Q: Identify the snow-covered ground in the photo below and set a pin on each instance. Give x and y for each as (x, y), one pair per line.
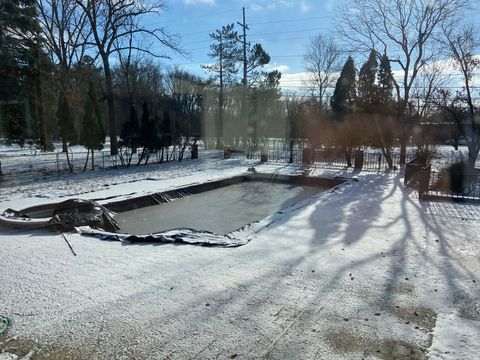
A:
(22, 164)
(366, 271)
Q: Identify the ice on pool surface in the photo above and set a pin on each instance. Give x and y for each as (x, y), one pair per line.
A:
(221, 210)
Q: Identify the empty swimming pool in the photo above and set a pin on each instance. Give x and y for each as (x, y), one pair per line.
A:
(221, 210)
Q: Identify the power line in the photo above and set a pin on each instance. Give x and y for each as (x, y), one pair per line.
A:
(209, 30)
(291, 32)
(299, 86)
(293, 20)
(272, 33)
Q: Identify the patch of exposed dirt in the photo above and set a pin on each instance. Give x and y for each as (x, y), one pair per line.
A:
(27, 349)
(422, 318)
(344, 342)
(393, 350)
(17, 347)
(404, 288)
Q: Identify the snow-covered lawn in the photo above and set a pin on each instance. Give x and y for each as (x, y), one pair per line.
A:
(366, 271)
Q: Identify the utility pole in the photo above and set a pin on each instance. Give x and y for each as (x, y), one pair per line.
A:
(250, 127)
(37, 79)
(220, 105)
(245, 28)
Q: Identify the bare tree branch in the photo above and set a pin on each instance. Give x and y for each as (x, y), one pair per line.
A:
(112, 22)
(322, 61)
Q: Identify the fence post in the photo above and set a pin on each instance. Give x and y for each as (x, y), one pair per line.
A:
(58, 165)
(194, 151)
(263, 155)
(423, 180)
(358, 160)
(307, 156)
(227, 153)
(103, 159)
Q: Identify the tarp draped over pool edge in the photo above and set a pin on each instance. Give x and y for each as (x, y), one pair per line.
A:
(177, 236)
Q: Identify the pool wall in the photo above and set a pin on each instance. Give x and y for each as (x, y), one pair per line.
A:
(168, 196)
(236, 238)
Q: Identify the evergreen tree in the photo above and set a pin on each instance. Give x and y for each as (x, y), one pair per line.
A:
(65, 125)
(257, 58)
(375, 85)
(367, 99)
(266, 106)
(385, 81)
(343, 104)
(130, 134)
(226, 51)
(386, 106)
(367, 87)
(344, 95)
(17, 57)
(93, 134)
(17, 26)
(148, 134)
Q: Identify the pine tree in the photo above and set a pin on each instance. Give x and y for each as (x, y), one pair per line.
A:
(385, 81)
(343, 104)
(344, 95)
(375, 86)
(226, 51)
(148, 134)
(93, 134)
(367, 87)
(257, 58)
(130, 134)
(17, 57)
(17, 43)
(65, 124)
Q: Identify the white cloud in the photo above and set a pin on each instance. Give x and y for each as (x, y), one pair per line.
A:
(282, 68)
(256, 7)
(294, 81)
(304, 6)
(195, 2)
(329, 5)
(259, 5)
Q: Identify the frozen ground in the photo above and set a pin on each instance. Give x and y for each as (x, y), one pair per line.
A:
(366, 271)
(21, 165)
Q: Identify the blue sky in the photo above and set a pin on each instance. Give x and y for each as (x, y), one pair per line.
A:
(283, 27)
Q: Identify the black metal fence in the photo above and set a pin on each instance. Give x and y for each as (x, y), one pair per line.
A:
(34, 164)
(439, 188)
(47, 163)
(372, 161)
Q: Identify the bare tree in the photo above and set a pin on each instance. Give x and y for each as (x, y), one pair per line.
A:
(404, 30)
(295, 110)
(322, 61)
(65, 32)
(136, 77)
(429, 80)
(114, 21)
(461, 44)
(186, 91)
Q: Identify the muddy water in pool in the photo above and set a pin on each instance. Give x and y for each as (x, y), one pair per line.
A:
(221, 210)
